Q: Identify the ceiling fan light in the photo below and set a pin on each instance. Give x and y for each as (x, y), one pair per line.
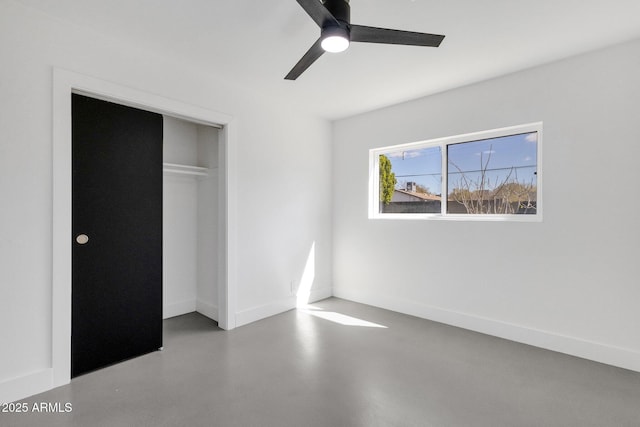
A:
(335, 43)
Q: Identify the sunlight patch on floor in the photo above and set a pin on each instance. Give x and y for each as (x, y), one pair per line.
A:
(339, 318)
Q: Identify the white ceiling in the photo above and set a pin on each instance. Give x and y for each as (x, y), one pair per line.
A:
(255, 43)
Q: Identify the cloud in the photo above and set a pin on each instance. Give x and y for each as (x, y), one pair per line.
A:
(532, 137)
(486, 152)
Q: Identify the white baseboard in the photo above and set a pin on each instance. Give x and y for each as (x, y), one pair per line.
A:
(26, 385)
(206, 309)
(178, 308)
(599, 352)
(250, 315)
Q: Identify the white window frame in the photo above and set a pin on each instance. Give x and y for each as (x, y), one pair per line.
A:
(374, 188)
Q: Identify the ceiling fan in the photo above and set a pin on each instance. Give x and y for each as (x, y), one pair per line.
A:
(334, 19)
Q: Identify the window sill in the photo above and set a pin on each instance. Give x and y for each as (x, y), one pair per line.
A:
(459, 217)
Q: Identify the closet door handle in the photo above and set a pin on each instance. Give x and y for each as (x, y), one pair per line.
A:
(82, 239)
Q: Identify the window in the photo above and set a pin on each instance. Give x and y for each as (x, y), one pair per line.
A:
(491, 175)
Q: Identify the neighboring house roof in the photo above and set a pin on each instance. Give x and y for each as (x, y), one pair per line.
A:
(421, 196)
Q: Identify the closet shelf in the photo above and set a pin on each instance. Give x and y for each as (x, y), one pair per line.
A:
(177, 169)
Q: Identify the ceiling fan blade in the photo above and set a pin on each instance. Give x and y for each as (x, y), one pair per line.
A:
(361, 33)
(309, 58)
(316, 10)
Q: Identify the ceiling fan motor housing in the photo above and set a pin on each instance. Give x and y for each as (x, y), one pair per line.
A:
(335, 31)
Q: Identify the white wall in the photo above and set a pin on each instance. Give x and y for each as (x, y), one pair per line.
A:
(180, 219)
(569, 283)
(281, 152)
(179, 244)
(179, 141)
(207, 220)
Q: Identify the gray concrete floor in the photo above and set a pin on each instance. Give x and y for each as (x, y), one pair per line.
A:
(309, 368)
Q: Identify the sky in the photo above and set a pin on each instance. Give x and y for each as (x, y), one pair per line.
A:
(498, 155)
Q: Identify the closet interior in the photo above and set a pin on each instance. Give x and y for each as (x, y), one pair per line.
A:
(190, 218)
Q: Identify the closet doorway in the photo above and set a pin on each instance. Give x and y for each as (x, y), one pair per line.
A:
(145, 228)
(66, 83)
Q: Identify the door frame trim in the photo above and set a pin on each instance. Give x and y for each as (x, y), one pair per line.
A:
(64, 84)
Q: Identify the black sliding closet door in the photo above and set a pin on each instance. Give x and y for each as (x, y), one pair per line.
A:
(117, 233)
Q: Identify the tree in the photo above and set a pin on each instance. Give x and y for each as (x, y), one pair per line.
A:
(502, 195)
(422, 189)
(387, 180)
